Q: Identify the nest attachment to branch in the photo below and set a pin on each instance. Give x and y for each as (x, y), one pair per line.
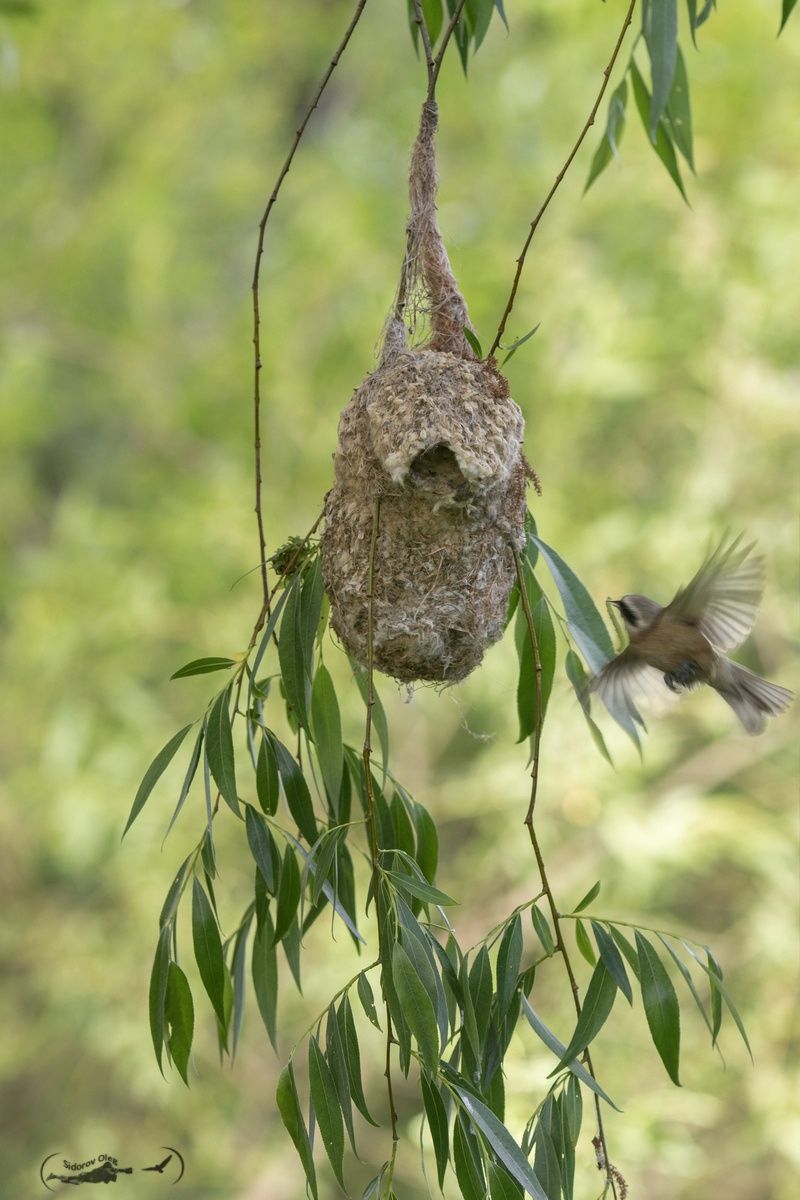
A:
(434, 435)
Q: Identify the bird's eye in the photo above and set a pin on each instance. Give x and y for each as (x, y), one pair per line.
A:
(627, 612)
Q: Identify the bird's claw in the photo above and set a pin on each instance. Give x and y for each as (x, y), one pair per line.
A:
(684, 676)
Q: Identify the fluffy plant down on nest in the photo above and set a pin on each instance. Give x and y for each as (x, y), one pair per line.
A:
(435, 437)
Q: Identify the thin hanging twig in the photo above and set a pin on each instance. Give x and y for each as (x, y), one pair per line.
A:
(372, 823)
(262, 546)
(557, 182)
(612, 1174)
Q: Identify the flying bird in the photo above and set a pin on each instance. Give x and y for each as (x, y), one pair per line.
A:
(674, 649)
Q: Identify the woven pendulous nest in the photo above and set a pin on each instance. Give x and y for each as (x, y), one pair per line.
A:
(435, 439)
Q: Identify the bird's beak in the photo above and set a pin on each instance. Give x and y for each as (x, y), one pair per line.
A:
(616, 603)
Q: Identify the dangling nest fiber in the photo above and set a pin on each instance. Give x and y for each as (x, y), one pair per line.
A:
(434, 436)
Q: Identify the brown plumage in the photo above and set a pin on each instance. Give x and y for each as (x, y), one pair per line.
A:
(673, 649)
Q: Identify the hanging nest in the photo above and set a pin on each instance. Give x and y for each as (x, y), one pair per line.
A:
(430, 446)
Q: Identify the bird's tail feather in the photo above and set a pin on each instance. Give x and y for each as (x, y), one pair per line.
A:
(752, 698)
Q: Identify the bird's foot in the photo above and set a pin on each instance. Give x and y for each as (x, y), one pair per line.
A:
(685, 675)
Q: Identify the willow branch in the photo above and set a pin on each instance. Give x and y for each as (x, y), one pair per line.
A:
(612, 1174)
(448, 33)
(372, 824)
(426, 46)
(262, 546)
(559, 177)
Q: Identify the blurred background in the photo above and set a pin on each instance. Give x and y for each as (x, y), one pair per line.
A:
(140, 141)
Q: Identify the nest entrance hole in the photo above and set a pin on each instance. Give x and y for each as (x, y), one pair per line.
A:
(436, 470)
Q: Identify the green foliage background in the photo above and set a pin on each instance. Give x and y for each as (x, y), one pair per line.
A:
(140, 142)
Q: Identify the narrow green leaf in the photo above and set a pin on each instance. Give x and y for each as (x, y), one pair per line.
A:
(501, 1185)
(580, 683)
(591, 895)
(788, 6)
(612, 136)
(203, 666)
(179, 1012)
(347, 1033)
(689, 983)
(239, 985)
(401, 823)
(259, 840)
(660, 28)
(663, 142)
(267, 788)
(474, 344)
(543, 930)
(153, 773)
(613, 960)
(520, 341)
(173, 896)
(219, 750)
(557, 1047)
(417, 1006)
(471, 1031)
(527, 692)
(563, 1142)
(367, 998)
(335, 1057)
(265, 977)
(208, 949)
(626, 948)
(433, 15)
(311, 605)
(326, 726)
(502, 12)
(323, 860)
(502, 1143)
(377, 1187)
(292, 1117)
(188, 778)
(418, 889)
(288, 893)
(292, 657)
(479, 14)
(660, 1006)
(295, 788)
(427, 851)
(417, 945)
(573, 1108)
(345, 866)
(726, 996)
(597, 1004)
(509, 957)
(436, 1115)
(480, 986)
(583, 618)
(467, 1161)
(678, 114)
(325, 1103)
(158, 991)
(583, 943)
(714, 973)
(545, 1163)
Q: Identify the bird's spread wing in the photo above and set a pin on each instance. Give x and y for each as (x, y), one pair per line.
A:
(630, 688)
(723, 598)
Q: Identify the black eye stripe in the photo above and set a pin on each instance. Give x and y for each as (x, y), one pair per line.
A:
(627, 612)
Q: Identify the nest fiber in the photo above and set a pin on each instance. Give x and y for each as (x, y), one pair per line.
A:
(431, 444)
